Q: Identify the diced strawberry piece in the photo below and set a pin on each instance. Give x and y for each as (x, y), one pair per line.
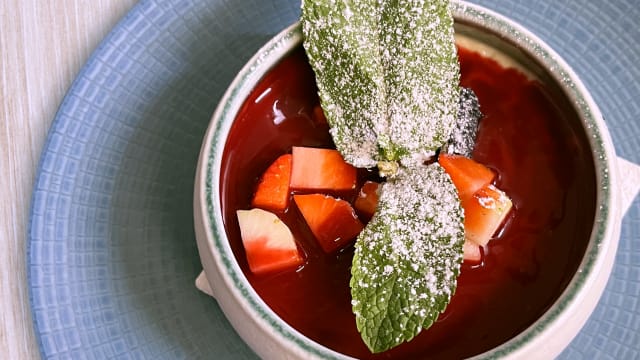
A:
(272, 192)
(321, 169)
(367, 199)
(267, 241)
(471, 252)
(467, 175)
(332, 221)
(485, 206)
(484, 212)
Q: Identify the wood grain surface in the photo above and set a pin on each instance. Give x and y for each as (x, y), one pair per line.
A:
(43, 45)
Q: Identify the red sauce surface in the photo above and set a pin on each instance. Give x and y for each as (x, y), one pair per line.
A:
(542, 163)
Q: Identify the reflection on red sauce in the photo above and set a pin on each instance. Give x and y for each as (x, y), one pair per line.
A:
(542, 163)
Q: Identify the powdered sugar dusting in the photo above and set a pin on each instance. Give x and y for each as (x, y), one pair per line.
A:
(423, 75)
(413, 248)
(387, 75)
(463, 137)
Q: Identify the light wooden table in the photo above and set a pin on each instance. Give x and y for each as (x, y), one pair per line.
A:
(43, 45)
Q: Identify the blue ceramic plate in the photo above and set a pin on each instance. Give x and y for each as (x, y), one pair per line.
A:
(112, 254)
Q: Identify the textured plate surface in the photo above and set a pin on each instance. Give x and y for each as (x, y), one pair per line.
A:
(112, 255)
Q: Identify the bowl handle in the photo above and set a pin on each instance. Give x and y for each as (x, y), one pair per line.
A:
(202, 283)
(629, 177)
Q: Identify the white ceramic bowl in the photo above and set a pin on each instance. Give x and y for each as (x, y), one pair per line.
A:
(270, 337)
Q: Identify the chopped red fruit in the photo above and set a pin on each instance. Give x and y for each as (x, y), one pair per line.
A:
(272, 192)
(332, 221)
(267, 241)
(367, 199)
(321, 169)
(484, 212)
(471, 252)
(485, 206)
(467, 175)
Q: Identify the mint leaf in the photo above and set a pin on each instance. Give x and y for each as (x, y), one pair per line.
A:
(407, 259)
(387, 74)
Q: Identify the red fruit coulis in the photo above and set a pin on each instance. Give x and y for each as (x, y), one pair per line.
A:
(542, 162)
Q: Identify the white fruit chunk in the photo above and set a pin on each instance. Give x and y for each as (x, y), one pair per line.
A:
(268, 242)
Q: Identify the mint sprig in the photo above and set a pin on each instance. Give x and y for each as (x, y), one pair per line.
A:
(388, 80)
(407, 259)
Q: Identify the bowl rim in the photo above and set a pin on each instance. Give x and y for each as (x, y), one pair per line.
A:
(597, 261)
